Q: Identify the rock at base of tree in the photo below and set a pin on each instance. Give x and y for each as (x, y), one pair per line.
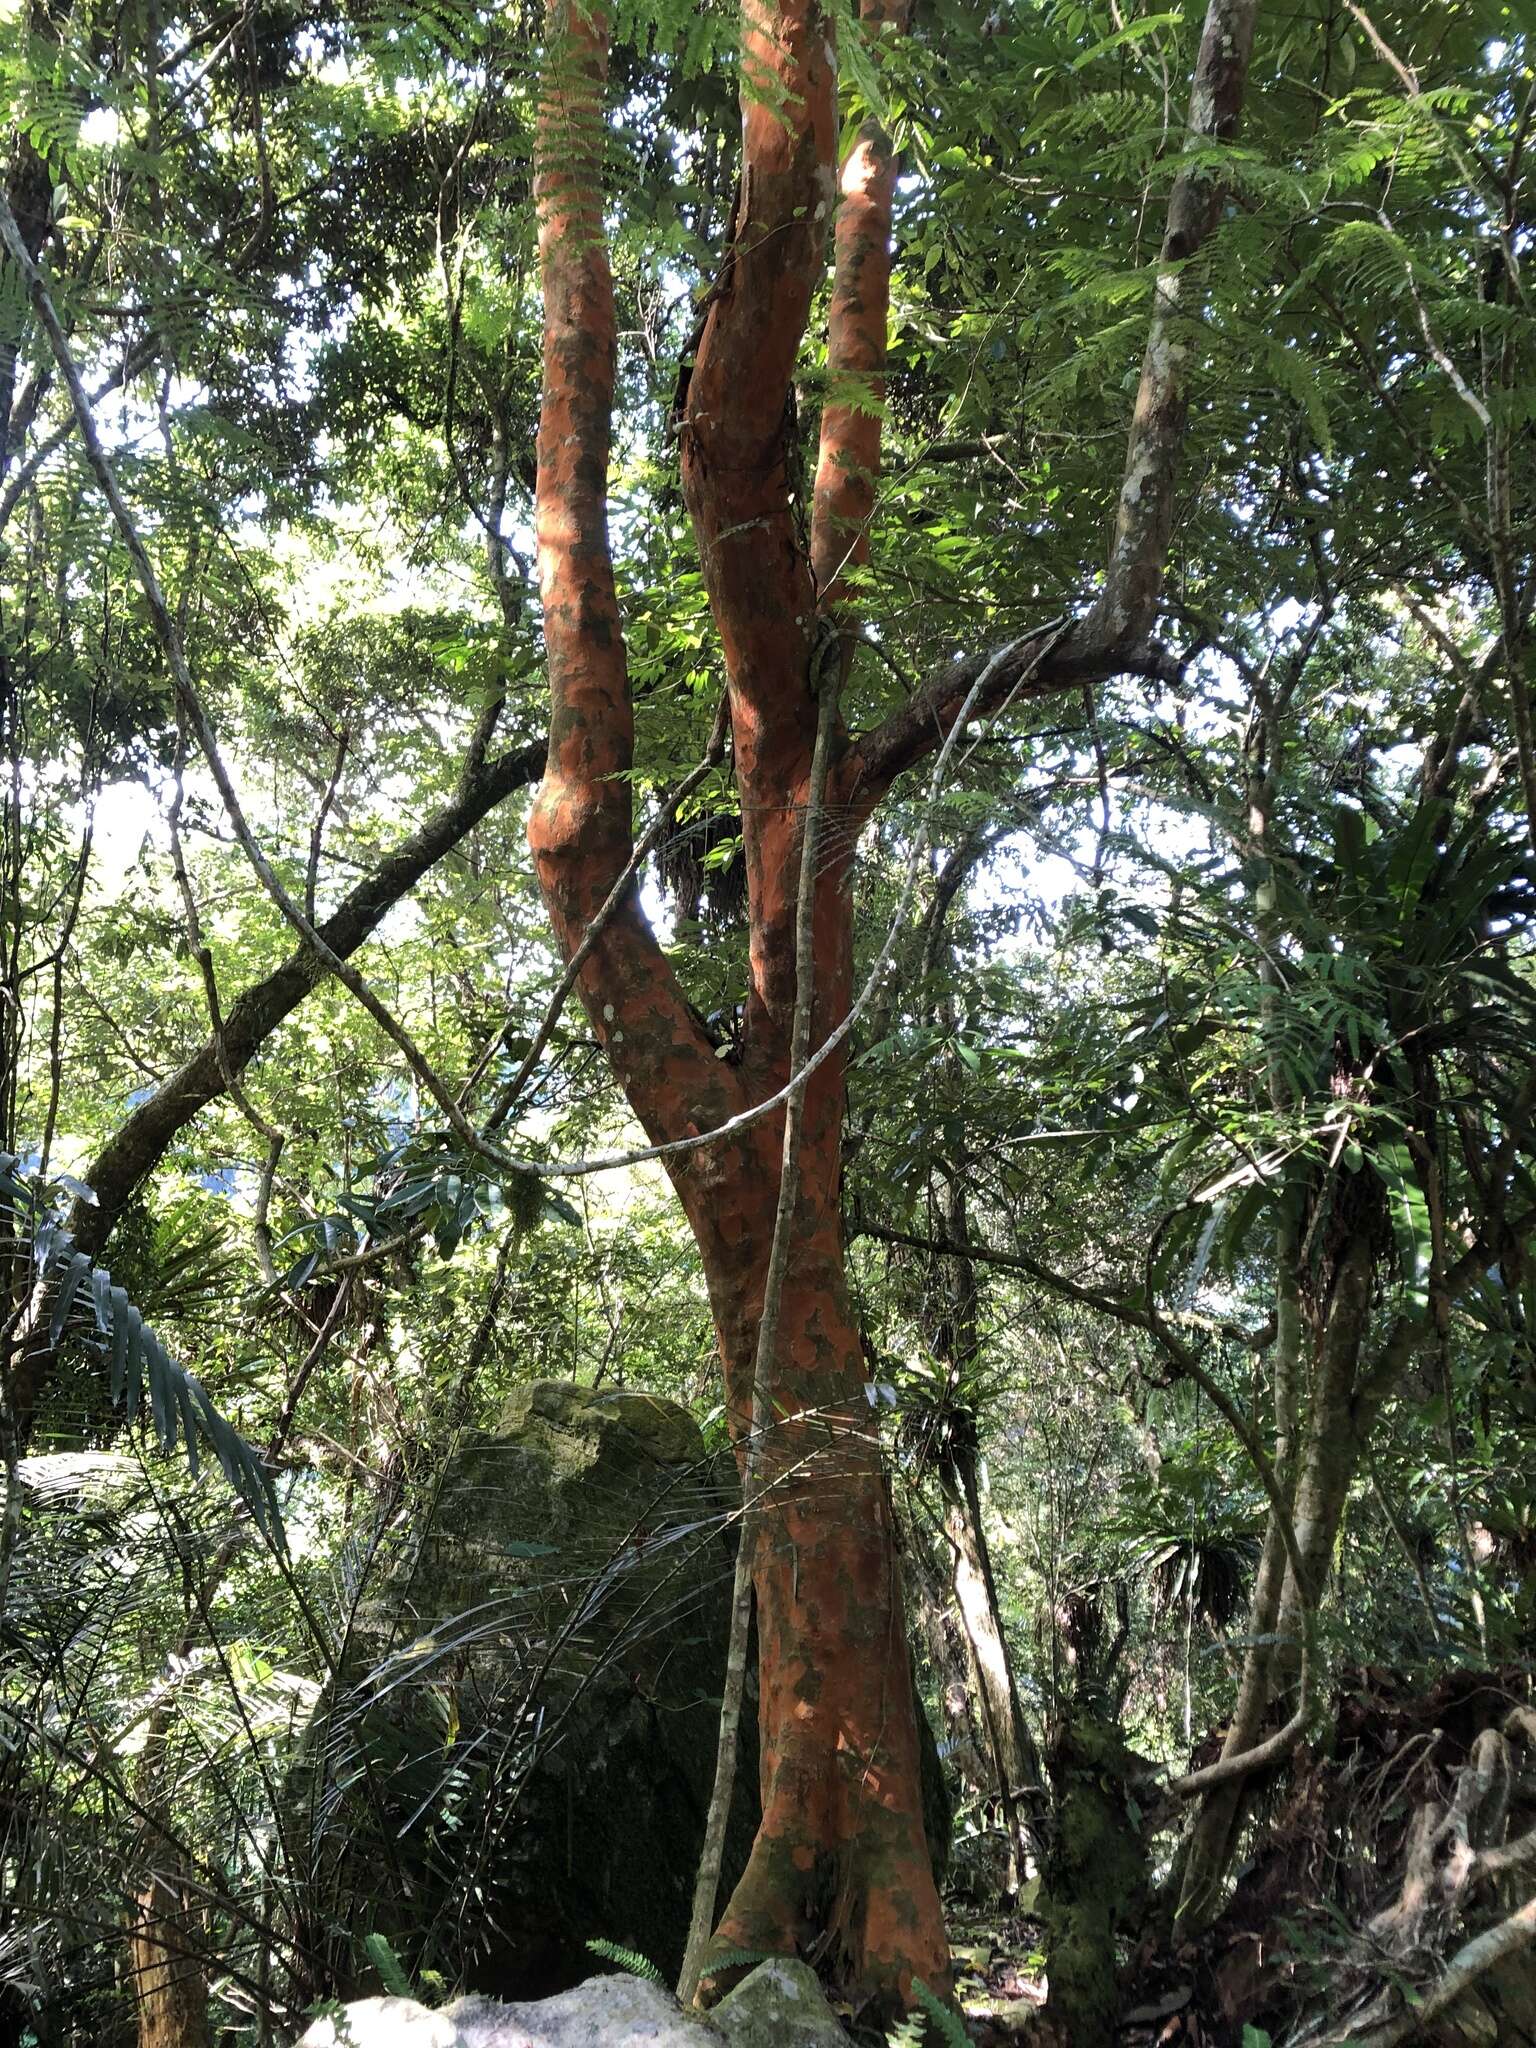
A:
(779, 2006)
(535, 1702)
(541, 1724)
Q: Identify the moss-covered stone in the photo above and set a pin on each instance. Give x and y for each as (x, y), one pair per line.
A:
(1095, 1879)
(541, 1727)
(780, 2005)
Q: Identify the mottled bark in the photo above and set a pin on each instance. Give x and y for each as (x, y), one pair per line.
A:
(1127, 609)
(1095, 1877)
(848, 459)
(840, 1858)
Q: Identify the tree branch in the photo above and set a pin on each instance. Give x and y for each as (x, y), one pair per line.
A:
(848, 461)
(581, 829)
(136, 1149)
(1126, 611)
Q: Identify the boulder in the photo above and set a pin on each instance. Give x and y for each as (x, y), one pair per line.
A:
(605, 2012)
(779, 2006)
(527, 1749)
(536, 1710)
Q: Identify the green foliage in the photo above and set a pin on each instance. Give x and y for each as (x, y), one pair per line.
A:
(718, 1959)
(383, 1958)
(943, 2024)
(306, 256)
(71, 1286)
(627, 1960)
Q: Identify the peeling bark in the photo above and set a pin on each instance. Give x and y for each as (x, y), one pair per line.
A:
(848, 461)
(840, 1866)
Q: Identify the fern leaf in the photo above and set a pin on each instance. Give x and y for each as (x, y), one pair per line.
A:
(948, 2026)
(738, 1959)
(627, 1959)
(391, 1973)
(138, 1362)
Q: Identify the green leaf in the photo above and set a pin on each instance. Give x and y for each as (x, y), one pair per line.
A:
(391, 1972)
(628, 1960)
(1410, 1221)
(945, 2024)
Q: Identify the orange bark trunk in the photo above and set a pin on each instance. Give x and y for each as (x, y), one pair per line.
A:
(840, 1869)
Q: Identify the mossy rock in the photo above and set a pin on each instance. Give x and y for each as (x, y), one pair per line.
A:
(540, 1692)
(780, 2005)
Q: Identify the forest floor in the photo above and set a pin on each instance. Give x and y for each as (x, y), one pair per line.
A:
(999, 1972)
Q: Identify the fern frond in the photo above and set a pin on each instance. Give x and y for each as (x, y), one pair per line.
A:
(180, 1405)
(946, 2024)
(739, 1959)
(391, 1972)
(627, 1959)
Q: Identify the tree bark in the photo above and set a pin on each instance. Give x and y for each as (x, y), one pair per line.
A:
(1016, 1764)
(169, 1986)
(1325, 1463)
(839, 1867)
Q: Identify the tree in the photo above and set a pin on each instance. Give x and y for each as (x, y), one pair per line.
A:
(839, 1859)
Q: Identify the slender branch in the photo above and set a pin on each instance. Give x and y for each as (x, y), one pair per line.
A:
(168, 634)
(1466, 1967)
(1127, 610)
(1179, 1354)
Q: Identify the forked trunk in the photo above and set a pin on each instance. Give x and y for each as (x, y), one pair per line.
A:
(839, 1868)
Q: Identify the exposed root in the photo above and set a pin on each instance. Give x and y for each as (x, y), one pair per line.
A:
(1406, 1979)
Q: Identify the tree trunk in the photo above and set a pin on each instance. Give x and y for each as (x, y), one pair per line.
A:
(938, 1622)
(1016, 1767)
(169, 1987)
(1095, 1877)
(840, 1858)
(1014, 1758)
(1336, 1431)
(839, 1865)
